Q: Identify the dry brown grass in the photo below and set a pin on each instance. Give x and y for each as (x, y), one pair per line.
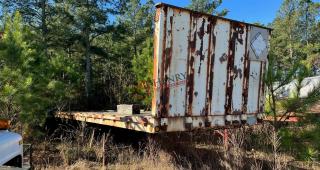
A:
(80, 149)
(77, 149)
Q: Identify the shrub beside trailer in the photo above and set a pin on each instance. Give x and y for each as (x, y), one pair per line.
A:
(208, 73)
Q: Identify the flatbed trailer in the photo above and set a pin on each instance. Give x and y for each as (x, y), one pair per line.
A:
(208, 73)
(143, 122)
(140, 122)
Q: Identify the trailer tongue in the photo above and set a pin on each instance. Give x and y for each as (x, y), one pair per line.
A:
(208, 73)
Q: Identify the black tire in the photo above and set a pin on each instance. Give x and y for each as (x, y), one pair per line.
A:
(15, 162)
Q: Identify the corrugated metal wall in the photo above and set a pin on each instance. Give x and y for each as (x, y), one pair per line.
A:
(206, 65)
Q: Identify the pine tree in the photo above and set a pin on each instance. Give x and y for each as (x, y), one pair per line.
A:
(143, 70)
(31, 85)
(208, 6)
(292, 53)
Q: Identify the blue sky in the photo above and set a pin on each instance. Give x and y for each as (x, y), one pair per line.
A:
(263, 11)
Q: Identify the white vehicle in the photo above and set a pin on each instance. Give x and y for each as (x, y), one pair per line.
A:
(11, 148)
(308, 84)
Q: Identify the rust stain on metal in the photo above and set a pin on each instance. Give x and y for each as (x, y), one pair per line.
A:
(168, 50)
(192, 42)
(237, 112)
(191, 45)
(229, 84)
(157, 16)
(176, 10)
(223, 58)
(236, 33)
(261, 109)
(190, 76)
(201, 34)
(190, 82)
(196, 94)
(260, 84)
(200, 51)
(237, 72)
(246, 71)
(164, 91)
(168, 58)
(210, 64)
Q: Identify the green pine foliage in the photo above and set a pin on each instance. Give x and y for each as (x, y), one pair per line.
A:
(294, 50)
(30, 83)
(208, 6)
(143, 70)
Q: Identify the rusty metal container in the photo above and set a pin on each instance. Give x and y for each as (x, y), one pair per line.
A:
(208, 70)
(208, 73)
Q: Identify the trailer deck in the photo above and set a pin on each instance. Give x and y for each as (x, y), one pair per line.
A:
(139, 122)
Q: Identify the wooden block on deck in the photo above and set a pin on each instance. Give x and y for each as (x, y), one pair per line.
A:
(128, 109)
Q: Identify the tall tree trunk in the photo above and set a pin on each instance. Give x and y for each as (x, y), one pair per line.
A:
(307, 24)
(88, 65)
(88, 78)
(291, 47)
(44, 27)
